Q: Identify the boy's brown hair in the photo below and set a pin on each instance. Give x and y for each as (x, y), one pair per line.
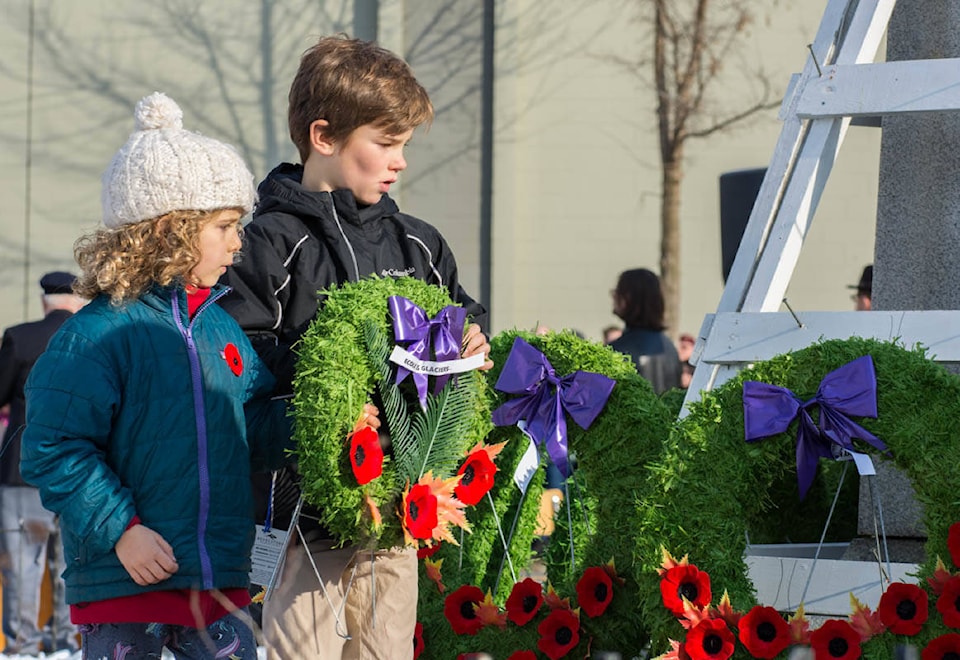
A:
(350, 83)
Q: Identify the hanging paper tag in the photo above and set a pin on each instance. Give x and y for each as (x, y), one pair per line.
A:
(271, 546)
(863, 462)
(268, 547)
(528, 464)
(414, 364)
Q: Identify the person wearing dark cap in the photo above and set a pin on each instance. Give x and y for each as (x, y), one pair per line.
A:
(27, 527)
(864, 288)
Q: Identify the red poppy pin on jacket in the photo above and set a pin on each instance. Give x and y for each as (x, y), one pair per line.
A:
(234, 361)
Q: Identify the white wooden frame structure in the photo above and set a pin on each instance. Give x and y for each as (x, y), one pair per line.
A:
(839, 82)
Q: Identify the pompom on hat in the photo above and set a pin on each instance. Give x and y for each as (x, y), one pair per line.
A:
(164, 168)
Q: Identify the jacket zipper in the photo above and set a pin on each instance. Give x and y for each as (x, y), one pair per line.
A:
(353, 255)
(203, 467)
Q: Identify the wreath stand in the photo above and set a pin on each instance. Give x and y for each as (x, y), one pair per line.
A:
(839, 85)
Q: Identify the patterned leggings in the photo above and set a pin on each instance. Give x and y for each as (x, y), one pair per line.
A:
(228, 637)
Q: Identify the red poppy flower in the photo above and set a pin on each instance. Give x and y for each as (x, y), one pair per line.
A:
(366, 455)
(477, 480)
(685, 581)
(559, 633)
(594, 591)
(710, 639)
(949, 602)
(903, 608)
(417, 640)
(420, 512)
(234, 361)
(953, 543)
(523, 655)
(524, 601)
(764, 632)
(835, 639)
(460, 608)
(427, 551)
(944, 647)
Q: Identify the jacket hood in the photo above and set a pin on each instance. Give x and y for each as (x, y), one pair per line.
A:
(283, 192)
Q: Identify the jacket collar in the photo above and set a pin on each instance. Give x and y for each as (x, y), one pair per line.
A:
(283, 191)
(159, 297)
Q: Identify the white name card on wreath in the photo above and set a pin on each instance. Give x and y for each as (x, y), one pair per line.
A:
(412, 363)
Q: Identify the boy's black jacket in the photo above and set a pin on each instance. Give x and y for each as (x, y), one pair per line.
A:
(300, 242)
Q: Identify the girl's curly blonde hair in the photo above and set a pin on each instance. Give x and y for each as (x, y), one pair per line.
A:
(124, 261)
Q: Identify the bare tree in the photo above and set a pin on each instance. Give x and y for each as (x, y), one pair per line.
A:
(689, 41)
(247, 55)
(229, 66)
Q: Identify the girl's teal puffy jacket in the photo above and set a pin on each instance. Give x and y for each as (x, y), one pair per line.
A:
(137, 410)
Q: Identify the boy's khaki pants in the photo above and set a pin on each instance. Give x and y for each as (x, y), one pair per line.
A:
(299, 622)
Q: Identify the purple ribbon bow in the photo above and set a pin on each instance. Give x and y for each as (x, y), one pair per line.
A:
(849, 390)
(418, 334)
(545, 397)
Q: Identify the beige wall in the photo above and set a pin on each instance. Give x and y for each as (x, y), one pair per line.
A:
(576, 171)
(576, 193)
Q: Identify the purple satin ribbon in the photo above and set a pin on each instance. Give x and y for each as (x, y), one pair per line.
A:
(850, 390)
(545, 397)
(418, 334)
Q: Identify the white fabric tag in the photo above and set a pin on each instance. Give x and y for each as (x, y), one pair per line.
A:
(863, 462)
(268, 548)
(528, 464)
(409, 361)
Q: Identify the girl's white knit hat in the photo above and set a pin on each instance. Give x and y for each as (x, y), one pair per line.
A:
(164, 168)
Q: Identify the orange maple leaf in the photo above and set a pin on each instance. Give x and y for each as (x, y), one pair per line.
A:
(450, 510)
(939, 578)
(492, 450)
(488, 612)
(799, 627)
(692, 614)
(669, 562)
(862, 619)
(433, 572)
(726, 612)
(611, 570)
(676, 652)
(374, 512)
(553, 600)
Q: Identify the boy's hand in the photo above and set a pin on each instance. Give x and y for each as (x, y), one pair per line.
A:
(369, 417)
(474, 342)
(145, 554)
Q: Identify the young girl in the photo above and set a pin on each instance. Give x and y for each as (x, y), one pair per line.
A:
(149, 407)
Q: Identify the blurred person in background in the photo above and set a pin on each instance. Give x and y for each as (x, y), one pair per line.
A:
(862, 298)
(685, 345)
(638, 301)
(29, 529)
(611, 333)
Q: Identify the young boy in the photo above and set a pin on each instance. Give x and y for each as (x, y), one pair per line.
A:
(149, 406)
(352, 108)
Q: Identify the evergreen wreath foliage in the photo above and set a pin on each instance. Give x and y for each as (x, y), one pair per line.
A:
(342, 363)
(709, 486)
(611, 457)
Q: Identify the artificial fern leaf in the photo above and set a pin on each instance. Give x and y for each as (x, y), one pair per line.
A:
(440, 430)
(395, 408)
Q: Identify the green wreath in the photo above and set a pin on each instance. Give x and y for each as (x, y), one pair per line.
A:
(343, 361)
(709, 486)
(611, 457)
